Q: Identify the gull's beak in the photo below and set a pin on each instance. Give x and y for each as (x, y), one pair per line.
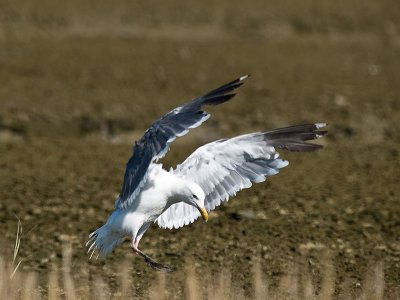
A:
(204, 213)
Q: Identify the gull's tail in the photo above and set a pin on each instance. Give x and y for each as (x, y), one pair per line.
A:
(103, 240)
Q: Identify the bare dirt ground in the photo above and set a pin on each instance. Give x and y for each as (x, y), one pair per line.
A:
(81, 81)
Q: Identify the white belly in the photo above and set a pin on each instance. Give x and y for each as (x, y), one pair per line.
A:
(155, 197)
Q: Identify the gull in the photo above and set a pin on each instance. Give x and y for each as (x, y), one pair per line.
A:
(209, 176)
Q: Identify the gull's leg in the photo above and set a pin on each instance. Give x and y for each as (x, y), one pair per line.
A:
(151, 262)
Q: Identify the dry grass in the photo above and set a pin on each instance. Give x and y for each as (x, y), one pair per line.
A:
(296, 283)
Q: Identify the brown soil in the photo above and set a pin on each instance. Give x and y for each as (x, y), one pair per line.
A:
(79, 84)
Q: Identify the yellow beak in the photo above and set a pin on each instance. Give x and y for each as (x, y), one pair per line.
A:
(204, 213)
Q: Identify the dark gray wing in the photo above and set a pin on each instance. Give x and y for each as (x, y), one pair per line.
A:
(155, 142)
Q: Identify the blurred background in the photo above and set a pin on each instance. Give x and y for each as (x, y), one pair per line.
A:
(81, 80)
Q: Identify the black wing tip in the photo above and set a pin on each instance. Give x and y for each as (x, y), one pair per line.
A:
(239, 80)
(234, 84)
(296, 146)
(294, 138)
(218, 99)
(227, 87)
(306, 147)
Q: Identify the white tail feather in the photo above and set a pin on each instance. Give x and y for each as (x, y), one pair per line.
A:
(103, 241)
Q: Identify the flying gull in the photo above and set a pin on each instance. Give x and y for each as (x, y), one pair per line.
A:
(209, 176)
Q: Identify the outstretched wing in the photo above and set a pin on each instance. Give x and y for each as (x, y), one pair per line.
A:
(225, 167)
(155, 142)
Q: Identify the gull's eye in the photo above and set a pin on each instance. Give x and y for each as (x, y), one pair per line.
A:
(195, 197)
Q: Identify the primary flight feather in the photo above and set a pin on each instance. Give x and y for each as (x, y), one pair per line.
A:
(209, 176)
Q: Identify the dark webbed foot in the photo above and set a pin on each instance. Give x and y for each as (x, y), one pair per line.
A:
(152, 263)
(157, 266)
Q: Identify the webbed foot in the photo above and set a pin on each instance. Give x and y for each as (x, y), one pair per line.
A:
(152, 263)
(157, 266)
